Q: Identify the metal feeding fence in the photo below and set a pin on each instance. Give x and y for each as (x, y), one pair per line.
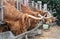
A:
(33, 4)
(8, 34)
(25, 35)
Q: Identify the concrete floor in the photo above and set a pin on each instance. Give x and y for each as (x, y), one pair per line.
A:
(52, 33)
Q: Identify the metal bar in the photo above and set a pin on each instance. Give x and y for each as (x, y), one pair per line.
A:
(45, 7)
(20, 7)
(0, 3)
(40, 5)
(26, 37)
(17, 5)
(32, 3)
(20, 2)
(26, 2)
(36, 5)
(2, 11)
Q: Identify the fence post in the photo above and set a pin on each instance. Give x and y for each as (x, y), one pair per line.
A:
(26, 2)
(19, 2)
(36, 5)
(1, 12)
(40, 5)
(45, 7)
(46, 10)
(17, 5)
(32, 3)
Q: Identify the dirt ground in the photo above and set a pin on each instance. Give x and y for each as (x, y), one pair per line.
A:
(52, 33)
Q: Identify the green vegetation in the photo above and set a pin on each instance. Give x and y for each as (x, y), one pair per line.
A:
(53, 4)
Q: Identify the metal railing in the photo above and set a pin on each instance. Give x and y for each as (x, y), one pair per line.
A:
(1, 11)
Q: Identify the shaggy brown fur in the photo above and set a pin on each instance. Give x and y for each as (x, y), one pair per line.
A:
(27, 10)
(14, 19)
(17, 21)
